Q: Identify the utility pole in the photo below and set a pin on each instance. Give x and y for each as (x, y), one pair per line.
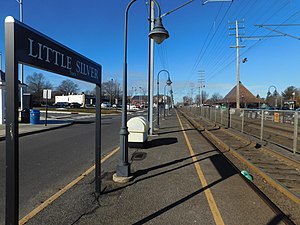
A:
(201, 81)
(192, 93)
(237, 47)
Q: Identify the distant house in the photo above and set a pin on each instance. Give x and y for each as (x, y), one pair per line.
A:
(247, 99)
(139, 100)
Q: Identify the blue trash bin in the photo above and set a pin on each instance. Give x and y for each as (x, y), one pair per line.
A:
(35, 116)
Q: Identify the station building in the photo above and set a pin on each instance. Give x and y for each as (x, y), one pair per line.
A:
(247, 99)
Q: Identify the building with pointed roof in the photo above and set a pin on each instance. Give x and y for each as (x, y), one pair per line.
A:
(247, 99)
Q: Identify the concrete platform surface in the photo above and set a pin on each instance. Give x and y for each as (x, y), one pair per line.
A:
(178, 178)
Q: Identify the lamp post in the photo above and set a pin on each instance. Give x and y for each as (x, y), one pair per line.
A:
(158, 34)
(168, 83)
(130, 103)
(142, 97)
(171, 93)
(294, 103)
(167, 100)
(168, 80)
(275, 93)
(111, 91)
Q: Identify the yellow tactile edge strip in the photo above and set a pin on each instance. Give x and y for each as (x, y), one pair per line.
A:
(209, 196)
(42, 206)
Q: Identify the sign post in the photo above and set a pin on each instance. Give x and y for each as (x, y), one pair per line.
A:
(46, 95)
(27, 46)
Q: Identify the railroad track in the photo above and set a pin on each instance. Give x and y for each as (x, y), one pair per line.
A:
(281, 172)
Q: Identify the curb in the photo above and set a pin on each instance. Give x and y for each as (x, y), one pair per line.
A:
(40, 131)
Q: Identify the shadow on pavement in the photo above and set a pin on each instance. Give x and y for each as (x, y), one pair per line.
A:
(175, 131)
(224, 168)
(163, 128)
(159, 142)
(278, 219)
(51, 122)
(140, 173)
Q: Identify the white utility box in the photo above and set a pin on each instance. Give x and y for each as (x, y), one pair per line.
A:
(138, 129)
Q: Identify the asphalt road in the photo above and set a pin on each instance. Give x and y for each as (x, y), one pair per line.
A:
(50, 160)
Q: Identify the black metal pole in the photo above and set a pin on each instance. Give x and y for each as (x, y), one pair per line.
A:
(46, 107)
(164, 101)
(12, 128)
(98, 141)
(158, 93)
(158, 100)
(123, 168)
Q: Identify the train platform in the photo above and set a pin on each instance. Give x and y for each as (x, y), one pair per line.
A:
(178, 178)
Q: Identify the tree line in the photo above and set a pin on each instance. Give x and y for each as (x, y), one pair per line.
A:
(291, 93)
(272, 99)
(37, 82)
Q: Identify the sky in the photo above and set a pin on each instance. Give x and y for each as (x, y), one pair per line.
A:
(200, 39)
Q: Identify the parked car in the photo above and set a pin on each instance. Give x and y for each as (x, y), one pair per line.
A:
(285, 108)
(105, 105)
(61, 104)
(74, 105)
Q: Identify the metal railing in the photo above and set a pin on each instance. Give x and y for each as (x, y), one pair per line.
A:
(280, 127)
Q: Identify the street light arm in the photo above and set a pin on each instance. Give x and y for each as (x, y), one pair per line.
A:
(158, 8)
(179, 7)
(125, 30)
(190, 1)
(163, 71)
(272, 86)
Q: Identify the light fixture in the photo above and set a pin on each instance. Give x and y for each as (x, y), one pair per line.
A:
(158, 33)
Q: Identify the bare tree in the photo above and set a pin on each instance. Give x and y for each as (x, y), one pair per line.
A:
(67, 87)
(111, 90)
(186, 100)
(216, 97)
(36, 84)
(204, 97)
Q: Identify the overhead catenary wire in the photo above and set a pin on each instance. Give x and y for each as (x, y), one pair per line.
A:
(215, 72)
(203, 50)
(217, 57)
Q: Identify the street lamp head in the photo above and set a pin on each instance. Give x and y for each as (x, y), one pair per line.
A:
(158, 33)
(169, 82)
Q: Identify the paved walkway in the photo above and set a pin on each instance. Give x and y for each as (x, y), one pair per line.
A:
(179, 178)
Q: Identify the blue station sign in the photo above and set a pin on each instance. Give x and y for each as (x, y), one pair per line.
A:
(37, 50)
